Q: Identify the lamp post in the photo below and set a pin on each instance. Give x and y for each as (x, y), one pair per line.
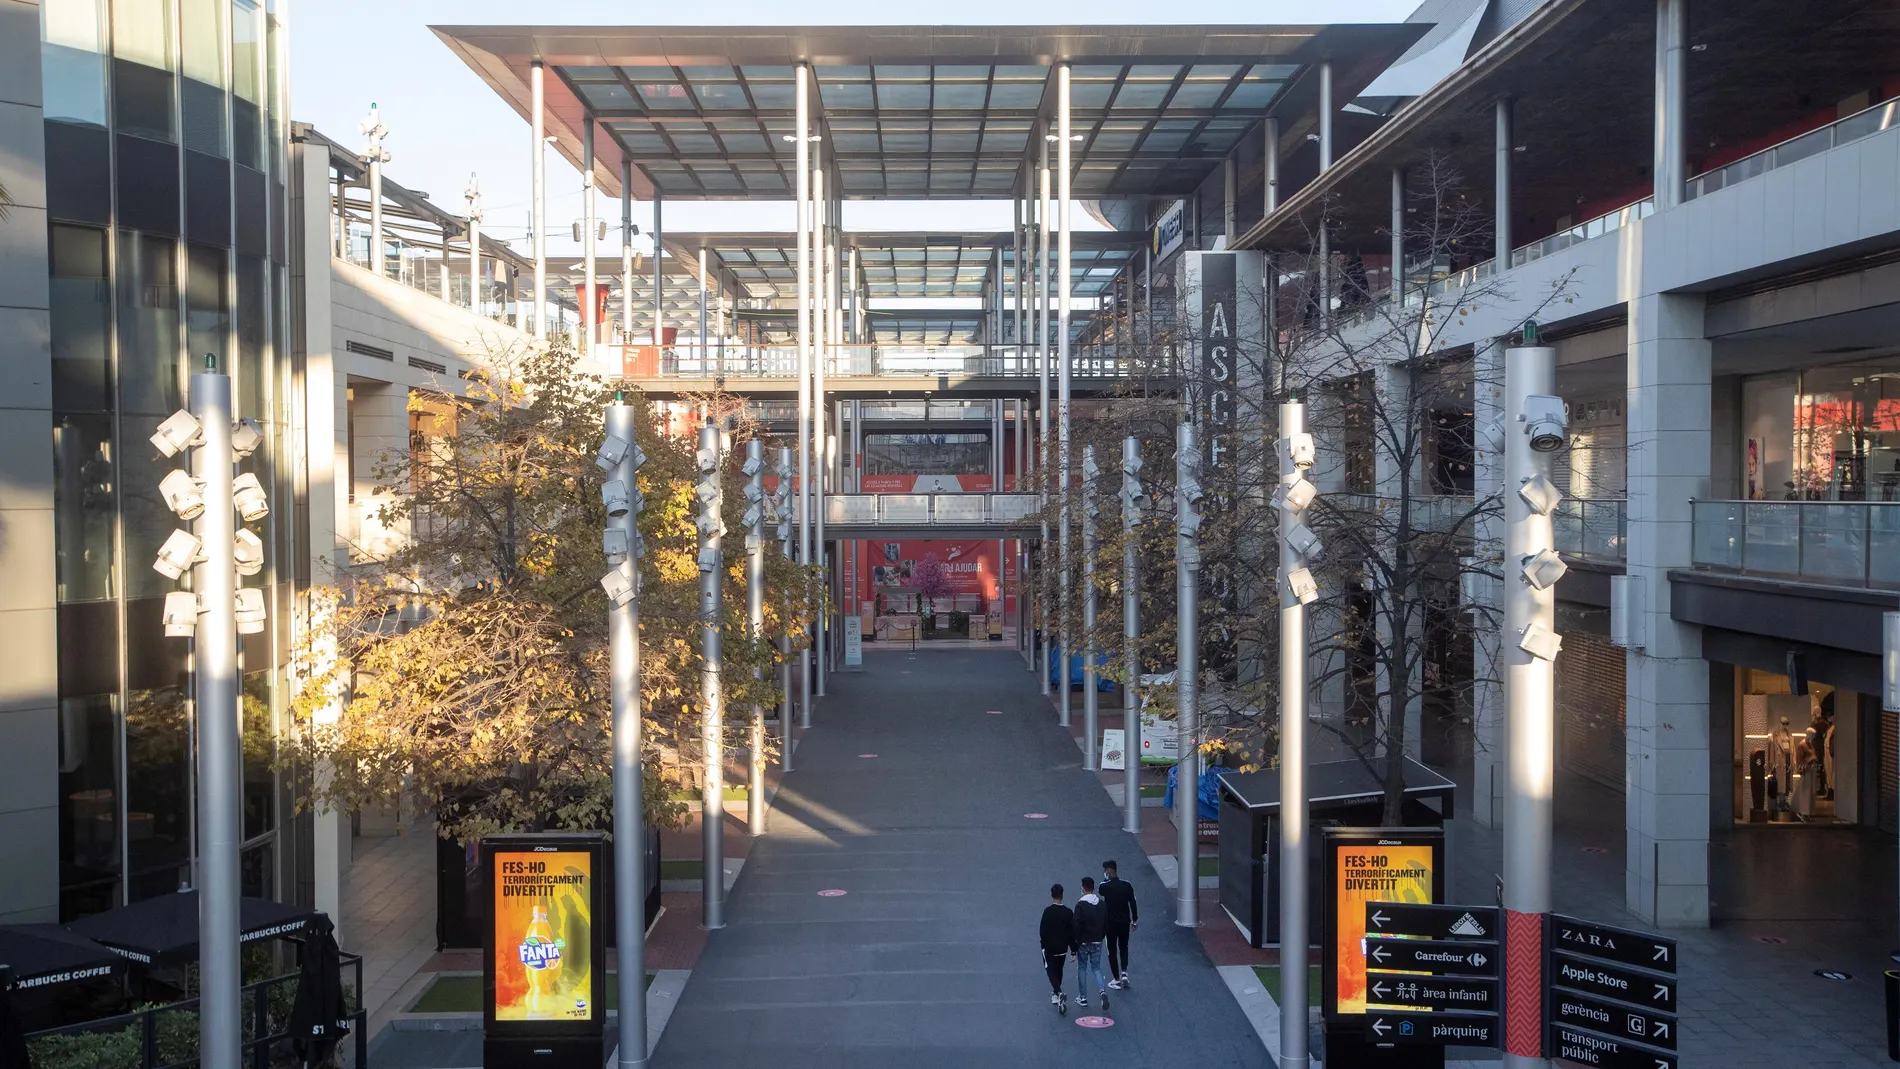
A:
(1187, 782)
(1298, 547)
(620, 459)
(376, 155)
(712, 529)
(755, 520)
(213, 613)
(783, 510)
(1091, 708)
(1134, 501)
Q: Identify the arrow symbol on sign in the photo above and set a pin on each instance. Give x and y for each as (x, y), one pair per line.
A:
(1378, 954)
(1660, 953)
(1662, 1029)
(1662, 1064)
(1662, 993)
(1379, 1027)
(1379, 989)
(1379, 918)
(1478, 959)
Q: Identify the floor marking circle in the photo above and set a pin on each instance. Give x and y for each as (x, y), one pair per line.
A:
(1833, 974)
(832, 893)
(1095, 1022)
(996, 712)
(867, 755)
(1037, 816)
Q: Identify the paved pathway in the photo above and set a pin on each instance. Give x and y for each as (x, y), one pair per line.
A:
(930, 959)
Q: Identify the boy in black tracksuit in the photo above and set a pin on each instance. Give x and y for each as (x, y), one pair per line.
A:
(1058, 943)
(1119, 896)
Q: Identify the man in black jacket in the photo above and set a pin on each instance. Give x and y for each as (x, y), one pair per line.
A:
(1058, 943)
(1119, 896)
(1091, 926)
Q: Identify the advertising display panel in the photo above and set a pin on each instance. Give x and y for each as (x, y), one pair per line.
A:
(543, 960)
(1403, 865)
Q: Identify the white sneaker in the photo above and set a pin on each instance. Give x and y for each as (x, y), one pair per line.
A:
(1114, 985)
(1055, 1000)
(1124, 981)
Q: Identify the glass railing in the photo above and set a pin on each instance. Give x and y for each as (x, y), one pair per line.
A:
(931, 509)
(421, 269)
(1841, 543)
(1592, 528)
(692, 360)
(1882, 116)
(1607, 223)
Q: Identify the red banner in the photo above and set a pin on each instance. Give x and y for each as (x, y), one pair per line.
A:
(968, 566)
(924, 484)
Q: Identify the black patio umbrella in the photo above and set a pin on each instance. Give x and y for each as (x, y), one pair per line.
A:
(40, 955)
(165, 929)
(12, 1036)
(319, 1019)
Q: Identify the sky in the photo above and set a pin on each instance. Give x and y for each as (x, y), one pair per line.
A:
(444, 123)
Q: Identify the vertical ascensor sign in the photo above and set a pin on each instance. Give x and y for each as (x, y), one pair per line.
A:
(1219, 363)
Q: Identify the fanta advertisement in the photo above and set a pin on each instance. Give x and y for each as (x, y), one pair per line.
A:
(543, 935)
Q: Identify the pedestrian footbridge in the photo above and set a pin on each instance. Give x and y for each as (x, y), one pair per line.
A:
(931, 515)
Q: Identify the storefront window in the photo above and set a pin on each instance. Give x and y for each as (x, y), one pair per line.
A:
(1824, 434)
(1796, 755)
(158, 791)
(143, 51)
(89, 853)
(83, 507)
(72, 59)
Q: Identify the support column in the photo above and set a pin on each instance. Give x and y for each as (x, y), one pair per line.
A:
(1666, 869)
(1487, 700)
(802, 153)
(1016, 278)
(1272, 149)
(1325, 115)
(447, 292)
(590, 312)
(1501, 189)
(1671, 166)
(626, 251)
(1064, 299)
(659, 272)
(821, 275)
(475, 287)
(538, 196)
(1044, 558)
(1229, 180)
(703, 348)
(1398, 237)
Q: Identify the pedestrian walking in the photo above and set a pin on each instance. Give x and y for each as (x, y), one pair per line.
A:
(1123, 917)
(1091, 928)
(1058, 945)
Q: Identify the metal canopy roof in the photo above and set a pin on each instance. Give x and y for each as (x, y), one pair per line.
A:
(909, 266)
(915, 112)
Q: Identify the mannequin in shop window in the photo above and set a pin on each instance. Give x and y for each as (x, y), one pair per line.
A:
(1781, 761)
(1821, 745)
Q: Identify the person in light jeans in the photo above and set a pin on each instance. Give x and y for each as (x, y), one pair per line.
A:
(1091, 932)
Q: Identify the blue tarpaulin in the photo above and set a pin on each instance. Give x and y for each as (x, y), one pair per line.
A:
(1210, 791)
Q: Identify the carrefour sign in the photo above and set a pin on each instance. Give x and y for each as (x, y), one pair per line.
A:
(1170, 231)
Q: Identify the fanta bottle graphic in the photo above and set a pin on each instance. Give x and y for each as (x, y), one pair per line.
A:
(541, 957)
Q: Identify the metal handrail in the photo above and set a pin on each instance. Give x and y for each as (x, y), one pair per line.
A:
(931, 509)
(1592, 528)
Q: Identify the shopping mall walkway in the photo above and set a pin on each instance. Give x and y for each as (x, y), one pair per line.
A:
(930, 957)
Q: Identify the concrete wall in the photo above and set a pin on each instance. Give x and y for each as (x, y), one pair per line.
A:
(29, 684)
(410, 325)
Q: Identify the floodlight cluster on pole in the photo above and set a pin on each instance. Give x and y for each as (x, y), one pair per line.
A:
(213, 613)
(1299, 548)
(712, 530)
(1135, 502)
(1531, 570)
(759, 511)
(1189, 500)
(375, 155)
(1091, 709)
(619, 460)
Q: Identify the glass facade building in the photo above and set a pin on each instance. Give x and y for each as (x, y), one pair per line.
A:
(166, 156)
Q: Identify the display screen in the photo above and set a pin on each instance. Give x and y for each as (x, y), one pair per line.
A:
(1381, 871)
(543, 935)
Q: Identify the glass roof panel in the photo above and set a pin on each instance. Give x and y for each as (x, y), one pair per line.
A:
(1146, 95)
(1198, 95)
(607, 96)
(774, 95)
(962, 96)
(894, 71)
(1090, 94)
(846, 95)
(1016, 95)
(712, 74)
(1087, 72)
(721, 96)
(766, 74)
(649, 74)
(1252, 96)
(664, 96)
(835, 74)
(906, 95)
(596, 74)
(1022, 73)
(747, 143)
(695, 144)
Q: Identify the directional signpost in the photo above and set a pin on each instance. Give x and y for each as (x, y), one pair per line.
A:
(1431, 974)
(1612, 995)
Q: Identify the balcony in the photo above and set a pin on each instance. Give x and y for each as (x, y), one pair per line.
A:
(1592, 528)
(992, 515)
(1837, 543)
(1882, 116)
(1435, 513)
(713, 360)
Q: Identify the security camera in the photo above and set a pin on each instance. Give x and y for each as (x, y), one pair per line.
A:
(613, 494)
(1543, 568)
(613, 544)
(708, 558)
(753, 516)
(1300, 584)
(247, 553)
(1545, 420)
(250, 610)
(1488, 438)
(752, 466)
(1540, 642)
(182, 494)
(1296, 450)
(248, 495)
(612, 452)
(181, 614)
(619, 587)
(181, 430)
(179, 552)
(245, 437)
(706, 491)
(1294, 496)
(1304, 541)
(1541, 494)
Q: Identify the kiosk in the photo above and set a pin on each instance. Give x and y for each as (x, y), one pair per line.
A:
(544, 963)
